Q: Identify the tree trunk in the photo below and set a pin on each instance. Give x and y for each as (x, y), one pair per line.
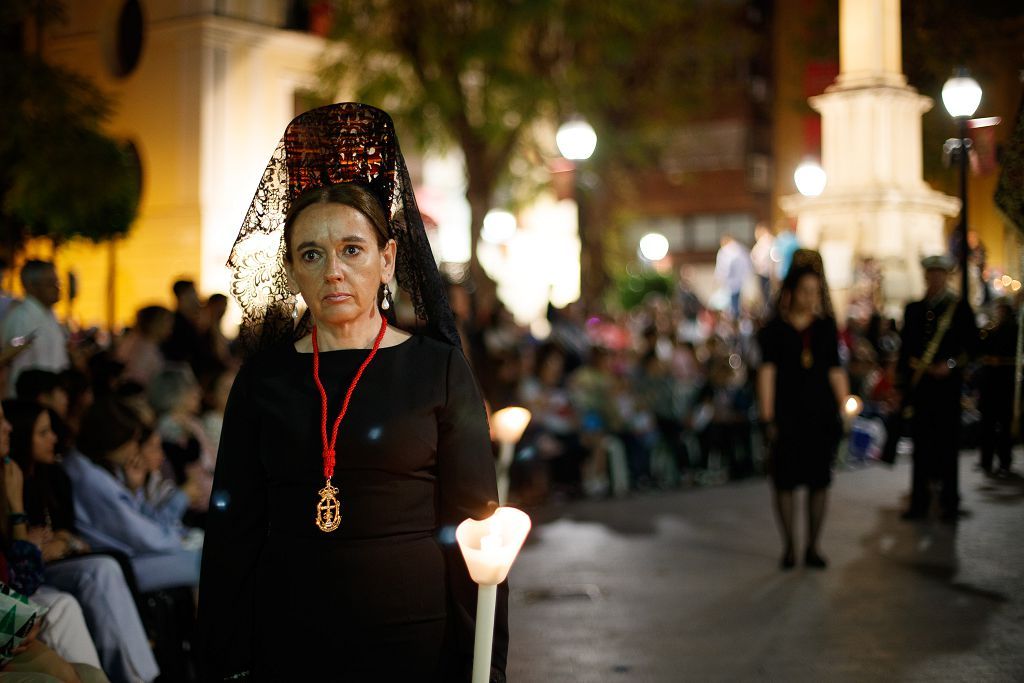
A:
(111, 284)
(479, 190)
(593, 278)
(479, 205)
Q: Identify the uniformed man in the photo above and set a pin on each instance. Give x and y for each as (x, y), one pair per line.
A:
(998, 350)
(939, 335)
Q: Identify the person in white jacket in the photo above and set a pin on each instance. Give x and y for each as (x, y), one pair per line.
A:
(732, 268)
(32, 323)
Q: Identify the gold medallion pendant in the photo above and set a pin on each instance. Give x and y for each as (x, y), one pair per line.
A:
(807, 358)
(328, 510)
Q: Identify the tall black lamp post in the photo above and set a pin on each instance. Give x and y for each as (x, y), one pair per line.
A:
(576, 141)
(961, 95)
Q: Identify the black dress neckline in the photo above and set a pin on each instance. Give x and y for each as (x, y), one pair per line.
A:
(349, 351)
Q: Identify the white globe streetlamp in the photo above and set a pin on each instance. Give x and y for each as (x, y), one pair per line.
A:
(576, 139)
(961, 95)
(653, 246)
(499, 227)
(810, 179)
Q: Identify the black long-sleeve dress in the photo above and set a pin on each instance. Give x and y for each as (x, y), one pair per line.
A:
(806, 412)
(386, 596)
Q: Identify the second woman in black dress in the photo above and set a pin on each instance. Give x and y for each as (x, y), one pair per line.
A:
(801, 387)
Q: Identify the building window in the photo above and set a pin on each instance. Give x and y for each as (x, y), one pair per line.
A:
(704, 231)
(123, 41)
(698, 233)
(312, 16)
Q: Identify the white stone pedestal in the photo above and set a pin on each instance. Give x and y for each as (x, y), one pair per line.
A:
(876, 203)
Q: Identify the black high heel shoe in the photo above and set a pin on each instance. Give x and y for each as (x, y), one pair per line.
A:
(788, 560)
(813, 559)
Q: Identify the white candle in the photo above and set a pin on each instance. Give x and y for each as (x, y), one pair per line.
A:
(489, 547)
(490, 543)
(486, 601)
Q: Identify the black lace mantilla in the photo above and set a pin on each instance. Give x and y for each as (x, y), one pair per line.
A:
(340, 143)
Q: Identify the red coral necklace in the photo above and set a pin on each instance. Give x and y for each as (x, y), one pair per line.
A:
(328, 510)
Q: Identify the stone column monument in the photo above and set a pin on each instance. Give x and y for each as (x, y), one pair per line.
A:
(875, 203)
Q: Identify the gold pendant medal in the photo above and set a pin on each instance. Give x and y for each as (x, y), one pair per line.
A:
(328, 510)
(807, 358)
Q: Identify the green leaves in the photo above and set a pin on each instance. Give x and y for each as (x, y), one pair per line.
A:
(60, 176)
(76, 183)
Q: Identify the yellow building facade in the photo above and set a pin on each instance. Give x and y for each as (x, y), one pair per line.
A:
(203, 89)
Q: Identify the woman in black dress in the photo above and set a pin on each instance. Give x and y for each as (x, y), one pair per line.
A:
(333, 557)
(801, 387)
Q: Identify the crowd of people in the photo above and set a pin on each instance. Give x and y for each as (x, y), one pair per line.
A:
(109, 449)
(667, 394)
(109, 452)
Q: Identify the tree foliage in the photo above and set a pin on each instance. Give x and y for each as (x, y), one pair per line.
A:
(493, 78)
(60, 176)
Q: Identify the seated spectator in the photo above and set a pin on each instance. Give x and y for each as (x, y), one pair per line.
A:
(723, 415)
(96, 581)
(554, 425)
(80, 396)
(217, 400)
(594, 391)
(110, 515)
(184, 343)
(34, 662)
(212, 355)
(659, 394)
(139, 350)
(105, 372)
(176, 398)
(163, 500)
(48, 500)
(45, 388)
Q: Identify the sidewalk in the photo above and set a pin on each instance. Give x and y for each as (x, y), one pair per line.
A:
(684, 586)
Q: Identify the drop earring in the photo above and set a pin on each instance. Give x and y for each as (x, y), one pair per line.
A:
(385, 303)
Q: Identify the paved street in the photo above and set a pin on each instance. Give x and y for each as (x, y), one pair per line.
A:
(684, 586)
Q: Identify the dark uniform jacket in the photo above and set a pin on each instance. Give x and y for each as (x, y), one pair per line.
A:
(921, 322)
(998, 350)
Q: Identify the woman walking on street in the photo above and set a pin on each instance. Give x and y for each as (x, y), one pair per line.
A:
(801, 387)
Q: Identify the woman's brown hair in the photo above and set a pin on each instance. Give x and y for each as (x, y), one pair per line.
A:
(348, 194)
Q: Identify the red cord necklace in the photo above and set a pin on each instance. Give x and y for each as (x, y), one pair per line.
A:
(328, 510)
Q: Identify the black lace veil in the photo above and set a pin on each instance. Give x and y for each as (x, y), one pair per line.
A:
(339, 143)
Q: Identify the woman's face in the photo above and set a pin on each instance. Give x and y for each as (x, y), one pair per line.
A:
(43, 440)
(807, 294)
(153, 452)
(125, 452)
(336, 263)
